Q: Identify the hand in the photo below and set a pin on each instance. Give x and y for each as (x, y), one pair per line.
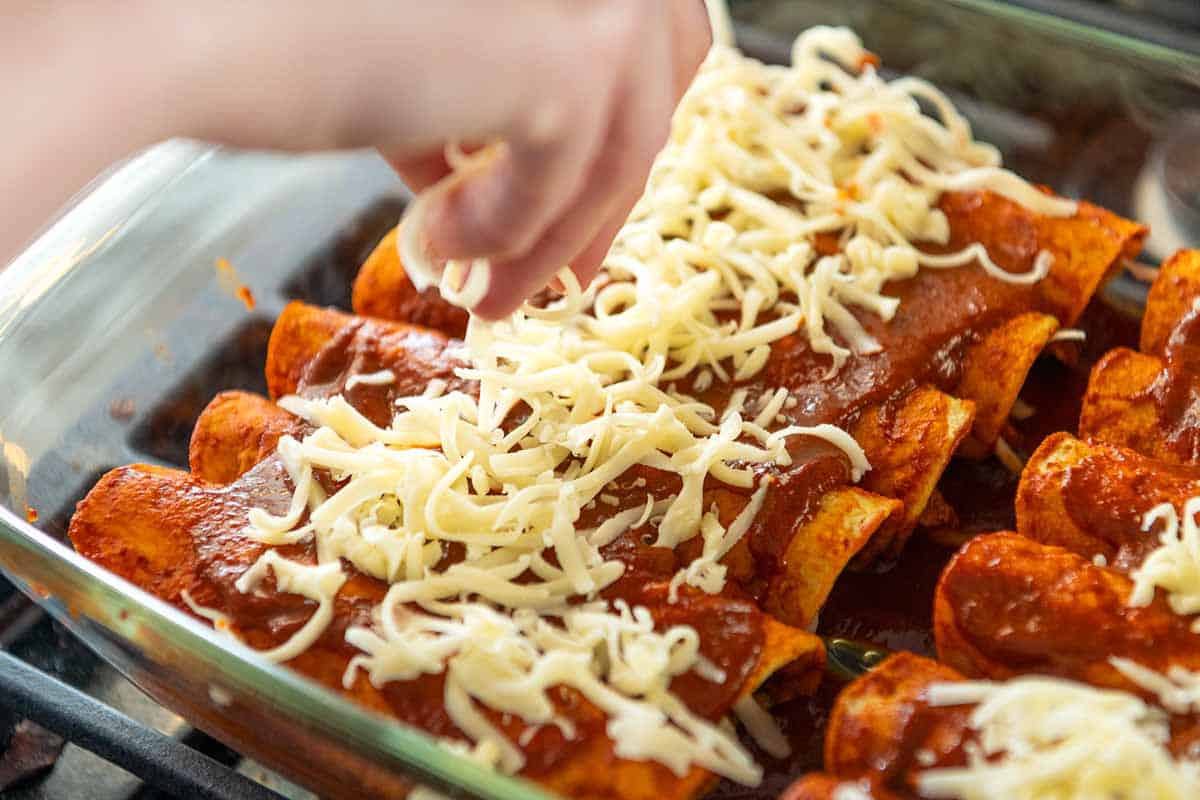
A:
(575, 152)
(580, 92)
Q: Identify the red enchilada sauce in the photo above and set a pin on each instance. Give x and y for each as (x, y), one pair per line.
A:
(365, 346)
(893, 607)
(942, 313)
(731, 632)
(1176, 391)
(981, 493)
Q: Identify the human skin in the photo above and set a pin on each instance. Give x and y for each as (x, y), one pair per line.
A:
(578, 94)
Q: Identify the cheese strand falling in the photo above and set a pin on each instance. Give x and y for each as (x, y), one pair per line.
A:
(716, 263)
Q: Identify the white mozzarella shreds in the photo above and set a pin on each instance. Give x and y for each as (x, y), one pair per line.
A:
(381, 378)
(1049, 738)
(613, 656)
(1173, 566)
(319, 583)
(1178, 691)
(761, 159)
(850, 791)
(715, 264)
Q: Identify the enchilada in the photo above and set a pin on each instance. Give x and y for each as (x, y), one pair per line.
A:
(765, 384)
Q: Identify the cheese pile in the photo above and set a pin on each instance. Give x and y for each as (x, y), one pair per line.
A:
(507, 662)
(714, 265)
(1174, 565)
(1044, 738)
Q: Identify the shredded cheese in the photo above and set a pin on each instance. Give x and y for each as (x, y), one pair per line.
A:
(1178, 690)
(1069, 335)
(1021, 410)
(850, 791)
(381, 378)
(707, 572)
(1007, 456)
(1174, 565)
(1050, 738)
(761, 725)
(319, 583)
(716, 263)
(856, 159)
(508, 662)
(219, 620)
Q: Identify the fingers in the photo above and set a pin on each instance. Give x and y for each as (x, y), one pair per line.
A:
(515, 279)
(585, 228)
(690, 43)
(498, 201)
(691, 37)
(574, 227)
(499, 206)
(587, 264)
(563, 181)
(421, 171)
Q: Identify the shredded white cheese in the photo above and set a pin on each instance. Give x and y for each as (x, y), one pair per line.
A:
(1007, 456)
(1048, 738)
(1069, 335)
(852, 155)
(761, 725)
(508, 662)
(319, 583)
(925, 757)
(716, 263)
(1174, 566)
(763, 158)
(219, 620)
(463, 284)
(381, 378)
(707, 572)
(1178, 690)
(1021, 410)
(850, 791)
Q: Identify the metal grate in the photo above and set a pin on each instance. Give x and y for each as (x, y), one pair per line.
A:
(71, 727)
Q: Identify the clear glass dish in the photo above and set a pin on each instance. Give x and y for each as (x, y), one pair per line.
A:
(116, 327)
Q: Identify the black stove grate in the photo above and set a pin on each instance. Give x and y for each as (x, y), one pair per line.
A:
(52, 711)
(61, 735)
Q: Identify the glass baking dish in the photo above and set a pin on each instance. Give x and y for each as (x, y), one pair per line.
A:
(117, 326)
